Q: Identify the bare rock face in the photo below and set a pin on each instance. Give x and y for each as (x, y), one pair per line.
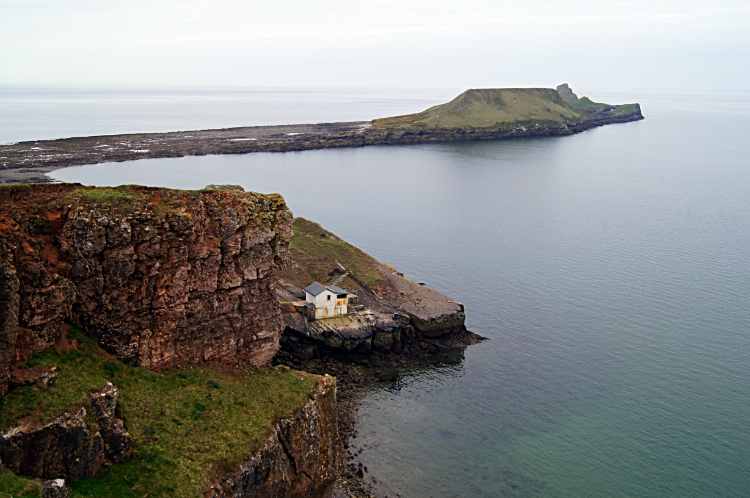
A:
(45, 377)
(161, 278)
(66, 448)
(54, 489)
(302, 457)
(118, 445)
(9, 303)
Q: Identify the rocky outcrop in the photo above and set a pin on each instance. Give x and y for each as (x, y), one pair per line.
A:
(431, 313)
(403, 318)
(54, 489)
(301, 458)
(161, 278)
(44, 377)
(118, 444)
(66, 447)
(566, 93)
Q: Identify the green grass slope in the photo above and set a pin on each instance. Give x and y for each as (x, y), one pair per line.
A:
(499, 109)
(491, 108)
(315, 251)
(12, 486)
(188, 427)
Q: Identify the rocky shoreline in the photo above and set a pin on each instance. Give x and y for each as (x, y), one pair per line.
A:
(355, 374)
(29, 162)
(396, 323)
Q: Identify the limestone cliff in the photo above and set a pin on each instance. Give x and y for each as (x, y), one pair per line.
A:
(161, 278)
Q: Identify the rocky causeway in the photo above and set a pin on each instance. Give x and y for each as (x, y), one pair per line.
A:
(489, 114)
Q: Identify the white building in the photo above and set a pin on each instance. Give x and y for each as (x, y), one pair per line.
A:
(329, 301)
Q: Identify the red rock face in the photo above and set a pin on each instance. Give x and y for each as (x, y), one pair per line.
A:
(161, 278)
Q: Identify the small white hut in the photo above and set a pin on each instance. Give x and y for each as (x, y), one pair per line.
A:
(329, 300)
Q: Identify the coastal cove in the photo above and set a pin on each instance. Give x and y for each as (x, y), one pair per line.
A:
(609, 270)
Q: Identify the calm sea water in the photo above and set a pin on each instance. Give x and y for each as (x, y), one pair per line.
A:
(42, 113)
(610, 270)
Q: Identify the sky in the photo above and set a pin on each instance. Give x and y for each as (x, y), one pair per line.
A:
(633, 44)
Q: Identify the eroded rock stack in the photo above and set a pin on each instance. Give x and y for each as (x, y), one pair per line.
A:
(161, 278)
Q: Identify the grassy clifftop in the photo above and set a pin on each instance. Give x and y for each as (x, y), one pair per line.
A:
(189, 426)
(504, 108)
(315, 251)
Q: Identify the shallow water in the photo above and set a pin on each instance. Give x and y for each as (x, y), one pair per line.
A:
(609, 269)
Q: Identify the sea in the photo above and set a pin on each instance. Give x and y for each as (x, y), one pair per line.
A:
(609, 270)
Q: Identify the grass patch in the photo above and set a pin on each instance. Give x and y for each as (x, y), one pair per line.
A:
(494, 109)
(316, 255)
(587, 103)
(626, 108)
(126, 198)
(13, 486)
(188, 426)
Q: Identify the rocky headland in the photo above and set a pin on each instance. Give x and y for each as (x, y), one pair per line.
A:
(391, 320)
(138, 325)
(161, 278)
(483, 114)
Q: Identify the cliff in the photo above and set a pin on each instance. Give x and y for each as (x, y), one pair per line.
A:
(110, 429)
(301, 458)
(161, 278)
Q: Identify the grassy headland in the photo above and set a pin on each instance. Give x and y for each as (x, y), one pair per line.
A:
(490, 108)
(502, 109)
(188, 427)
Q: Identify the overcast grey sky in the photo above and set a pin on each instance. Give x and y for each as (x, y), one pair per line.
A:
(634, 44)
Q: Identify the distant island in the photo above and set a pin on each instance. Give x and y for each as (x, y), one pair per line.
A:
(478, 114)
(514, 110)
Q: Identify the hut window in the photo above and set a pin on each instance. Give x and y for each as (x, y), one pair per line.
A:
(329, 297)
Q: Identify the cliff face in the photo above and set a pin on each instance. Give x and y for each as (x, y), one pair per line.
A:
(66, 447)
(302, 457)
(161, 278)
